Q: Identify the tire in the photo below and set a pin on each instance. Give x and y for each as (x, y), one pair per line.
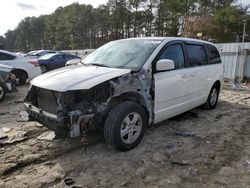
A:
(21, 76)
(213, 97)
(44, 68)
(120, 119)
(2, 93)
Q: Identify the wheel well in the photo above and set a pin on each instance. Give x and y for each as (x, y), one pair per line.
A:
(45, 65)
(217, 84)
(130, 96)
(20, 70)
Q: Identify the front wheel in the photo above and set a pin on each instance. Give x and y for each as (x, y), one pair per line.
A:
(44, 68)
(212, 98)
(125, 126)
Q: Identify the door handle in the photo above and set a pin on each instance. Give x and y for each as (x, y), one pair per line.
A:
(184, 76)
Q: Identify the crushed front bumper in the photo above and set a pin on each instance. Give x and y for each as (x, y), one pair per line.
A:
(58, 124)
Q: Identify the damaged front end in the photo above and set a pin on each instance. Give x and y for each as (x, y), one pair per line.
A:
(72, 112)
(67, 113)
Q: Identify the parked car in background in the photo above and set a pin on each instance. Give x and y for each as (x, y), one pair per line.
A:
(126, 85)
(20, 53)
(86, 52)
(39, 53)
(53, 61)
(7, 81)
(25, 68)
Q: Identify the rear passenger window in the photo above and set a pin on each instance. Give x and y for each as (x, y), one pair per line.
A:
(69, 57)
(196, 55)
(174, 53)
(213, 54)
(4, 56)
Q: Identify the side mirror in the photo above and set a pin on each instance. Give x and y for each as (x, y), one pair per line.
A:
(164, 65)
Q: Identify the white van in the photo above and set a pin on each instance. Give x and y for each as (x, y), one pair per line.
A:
(126, 85)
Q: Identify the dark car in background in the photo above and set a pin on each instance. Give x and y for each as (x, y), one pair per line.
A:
(53, 61)
(7, 81)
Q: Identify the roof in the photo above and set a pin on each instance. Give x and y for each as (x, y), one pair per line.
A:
(169, 39)
(7, 52)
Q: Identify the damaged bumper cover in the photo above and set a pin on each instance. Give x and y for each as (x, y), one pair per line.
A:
(50, 120)
(69, 126)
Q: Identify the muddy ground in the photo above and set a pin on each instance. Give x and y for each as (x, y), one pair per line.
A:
(215, 154)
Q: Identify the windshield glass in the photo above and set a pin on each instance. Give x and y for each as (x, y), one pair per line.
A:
(127, 54)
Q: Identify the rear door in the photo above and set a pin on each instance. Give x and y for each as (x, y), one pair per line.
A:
(69, 57)
(173, 90)
(199, 73)
(214, 68)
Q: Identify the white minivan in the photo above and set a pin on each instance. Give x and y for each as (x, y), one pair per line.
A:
(126, 85)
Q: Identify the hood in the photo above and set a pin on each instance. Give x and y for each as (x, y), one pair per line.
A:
(76, 77)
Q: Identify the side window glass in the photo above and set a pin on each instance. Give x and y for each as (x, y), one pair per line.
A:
(54, 57)
(214, 56)
(174, 53)
(41, 54)
(58, 57)
(196, 55)
(64, 57)
(4, 56)
(1, 56)
(68, 57)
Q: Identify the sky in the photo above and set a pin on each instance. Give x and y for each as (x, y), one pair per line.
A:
(13, 11)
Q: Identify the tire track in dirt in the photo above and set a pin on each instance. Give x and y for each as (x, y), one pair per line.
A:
(65, 146)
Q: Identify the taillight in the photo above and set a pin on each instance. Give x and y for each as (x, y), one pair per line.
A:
(35, 63)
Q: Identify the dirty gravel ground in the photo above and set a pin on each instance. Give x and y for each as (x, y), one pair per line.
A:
(215, 155)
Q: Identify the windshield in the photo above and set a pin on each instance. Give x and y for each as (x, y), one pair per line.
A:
(127, 54)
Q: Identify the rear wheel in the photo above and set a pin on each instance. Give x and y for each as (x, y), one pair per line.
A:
(44, 68)
(125, 126)
(212, 98)
(2, 92)
(21, 77)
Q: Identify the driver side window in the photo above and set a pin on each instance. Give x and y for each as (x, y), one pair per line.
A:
(175, 53)
(57, 57)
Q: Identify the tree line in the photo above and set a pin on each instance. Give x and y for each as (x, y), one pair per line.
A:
(80, 26)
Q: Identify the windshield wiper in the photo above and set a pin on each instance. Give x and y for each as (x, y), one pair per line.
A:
(99, 65)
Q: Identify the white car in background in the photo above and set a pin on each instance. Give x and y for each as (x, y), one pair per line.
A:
(25, 68)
